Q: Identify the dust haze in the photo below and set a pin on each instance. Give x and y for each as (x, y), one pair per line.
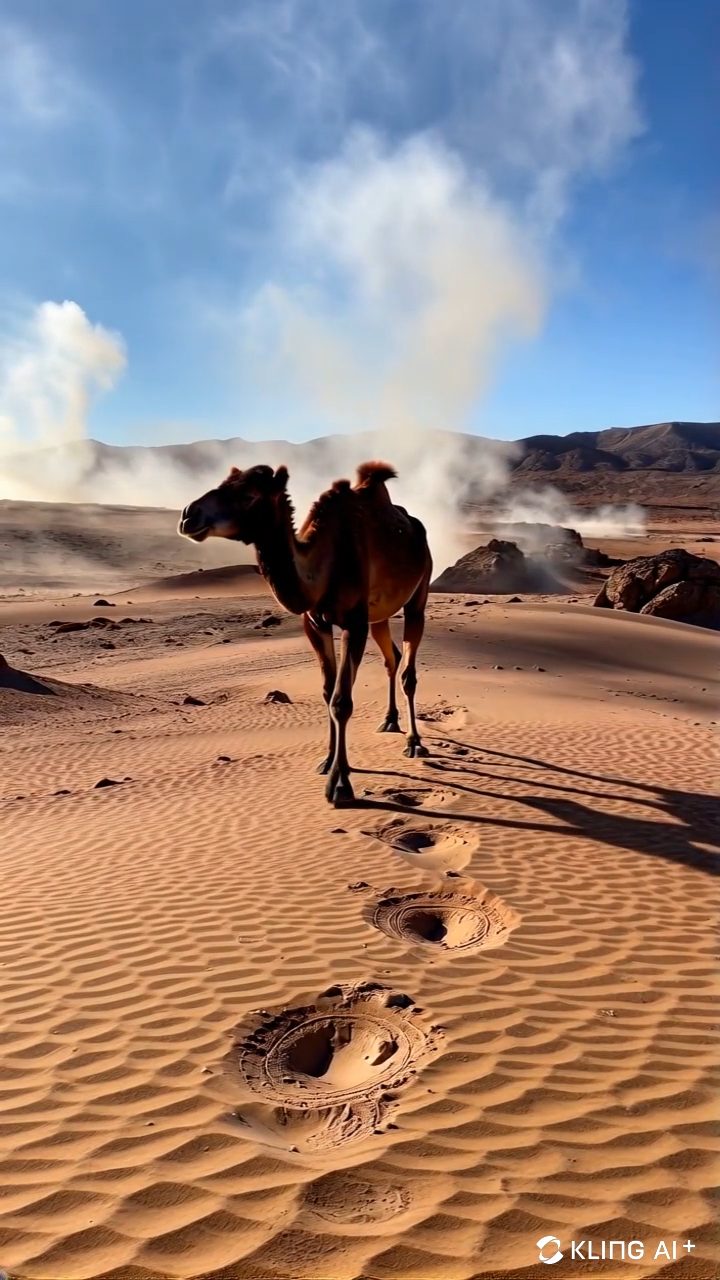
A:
(422, 279)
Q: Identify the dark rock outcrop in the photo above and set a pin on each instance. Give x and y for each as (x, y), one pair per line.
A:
(277, 695)
(499, 566)
(673, 584)
(550, 559)
(555, 542)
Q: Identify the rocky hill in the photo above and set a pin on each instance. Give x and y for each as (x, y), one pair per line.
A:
(667, 446)
(672, 467)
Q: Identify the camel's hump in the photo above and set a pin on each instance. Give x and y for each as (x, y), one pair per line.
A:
(370, 473)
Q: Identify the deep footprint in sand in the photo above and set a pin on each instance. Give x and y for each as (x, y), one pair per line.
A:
(415, 797)
(444, 921)
(343, 1059)
(426, 845)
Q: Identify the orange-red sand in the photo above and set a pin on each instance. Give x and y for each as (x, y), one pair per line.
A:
(540, 889)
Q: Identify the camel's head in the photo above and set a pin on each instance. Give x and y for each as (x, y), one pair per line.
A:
(237, 509)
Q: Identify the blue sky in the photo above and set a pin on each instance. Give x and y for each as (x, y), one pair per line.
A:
(276, 218)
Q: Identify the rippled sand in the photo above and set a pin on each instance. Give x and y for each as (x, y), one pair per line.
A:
(248, 1036)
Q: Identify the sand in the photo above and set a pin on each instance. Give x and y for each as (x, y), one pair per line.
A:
(249, 1036)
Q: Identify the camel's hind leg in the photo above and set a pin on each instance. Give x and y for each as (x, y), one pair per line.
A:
(412, 635)
(392, 655)
(320, 635)
(352, 647)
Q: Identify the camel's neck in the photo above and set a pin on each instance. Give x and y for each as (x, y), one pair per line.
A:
(281, 559)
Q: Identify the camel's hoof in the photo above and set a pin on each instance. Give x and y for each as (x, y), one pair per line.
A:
(339, 794)
(325, 765)
(390, 724)
(415, 749)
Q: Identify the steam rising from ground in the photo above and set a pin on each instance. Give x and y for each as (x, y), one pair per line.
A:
(548, 505)
(48, 374)
(419, 277)
(419, 325)
(399, 276)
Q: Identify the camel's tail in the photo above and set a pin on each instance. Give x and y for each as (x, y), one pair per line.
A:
(372, 473)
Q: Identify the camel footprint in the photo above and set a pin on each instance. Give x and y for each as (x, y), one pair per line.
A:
(329, 1073)
(474, 919)
(426, 845)
(414, 797)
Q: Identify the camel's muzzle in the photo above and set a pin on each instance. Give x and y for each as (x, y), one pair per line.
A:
(192, 525)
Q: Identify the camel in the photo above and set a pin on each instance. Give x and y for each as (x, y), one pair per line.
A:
(355, 562)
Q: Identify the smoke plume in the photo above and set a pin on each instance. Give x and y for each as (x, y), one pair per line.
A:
(49, 372)
(404, 263)
(419, 278)
(547, 505)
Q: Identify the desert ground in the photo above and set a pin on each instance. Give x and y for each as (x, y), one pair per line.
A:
(249, 1036)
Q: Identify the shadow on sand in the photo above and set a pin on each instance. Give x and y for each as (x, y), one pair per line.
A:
(694, 816)
(21, 682)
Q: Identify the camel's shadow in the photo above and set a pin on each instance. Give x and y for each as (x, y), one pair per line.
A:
(694, 815)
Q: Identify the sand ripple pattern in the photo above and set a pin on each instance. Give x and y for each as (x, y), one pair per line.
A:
(352, 1199)
(575, 1091)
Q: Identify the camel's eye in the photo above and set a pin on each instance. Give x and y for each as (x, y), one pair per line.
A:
(246, 499)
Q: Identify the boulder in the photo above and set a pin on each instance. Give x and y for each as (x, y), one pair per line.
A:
(497, 567)
(562, 546)
(558, 544)
(593, 558)
(534, 536)
(551, 554)
(564, 552)
(673, 584)
(277, 695)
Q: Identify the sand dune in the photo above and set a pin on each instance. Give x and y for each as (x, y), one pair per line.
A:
(248, 1036)
(228, 580)
(63, 546)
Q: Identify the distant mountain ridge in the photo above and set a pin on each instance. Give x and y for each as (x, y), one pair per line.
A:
(672, 465)
(664, 446)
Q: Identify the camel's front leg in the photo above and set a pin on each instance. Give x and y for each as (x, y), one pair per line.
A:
(412, 635)
(320, 635)
(391, 655)
(354, 638)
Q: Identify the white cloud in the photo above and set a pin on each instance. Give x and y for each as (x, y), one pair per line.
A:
(534, 92)
(408, 257)
(314, 56)
(404, 169)
(553, 84)
(34, 88)
(404, 258)
(50, 368)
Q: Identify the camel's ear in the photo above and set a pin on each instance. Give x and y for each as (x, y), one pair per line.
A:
(280, 479)
(235, 471)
